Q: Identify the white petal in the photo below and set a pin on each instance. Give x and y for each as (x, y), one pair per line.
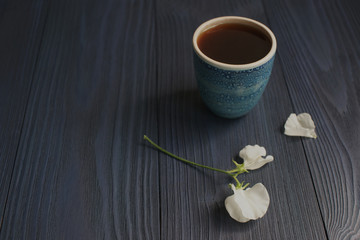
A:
(253, 157)
(252, 152)
(301, 125)
(249, 204)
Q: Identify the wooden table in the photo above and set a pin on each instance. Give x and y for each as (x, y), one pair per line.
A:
(81, 82)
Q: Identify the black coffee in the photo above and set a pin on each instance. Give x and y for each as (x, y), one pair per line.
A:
(234, 43)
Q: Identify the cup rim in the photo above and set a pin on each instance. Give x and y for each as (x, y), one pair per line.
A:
(234, 19)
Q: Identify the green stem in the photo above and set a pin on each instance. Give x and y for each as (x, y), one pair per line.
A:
(187, 161)
(233, 170)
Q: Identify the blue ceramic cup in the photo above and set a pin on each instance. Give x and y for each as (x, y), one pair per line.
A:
(232, 90)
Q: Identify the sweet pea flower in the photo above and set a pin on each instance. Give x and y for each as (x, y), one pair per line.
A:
(254, 157)
(300, 125)
(248, 204)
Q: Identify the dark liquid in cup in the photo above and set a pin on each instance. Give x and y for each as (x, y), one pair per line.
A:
(234, 43)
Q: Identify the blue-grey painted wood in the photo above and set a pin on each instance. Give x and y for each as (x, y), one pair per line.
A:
(320, 54)
(82, 171)
(82, 81)
(21, 25)
(192, 200)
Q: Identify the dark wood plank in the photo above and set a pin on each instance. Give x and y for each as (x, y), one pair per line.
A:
(320, 54)
(192, 200)
(21, 27)
(82, 171)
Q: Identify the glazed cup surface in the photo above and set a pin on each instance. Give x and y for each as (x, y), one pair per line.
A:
(232, 90)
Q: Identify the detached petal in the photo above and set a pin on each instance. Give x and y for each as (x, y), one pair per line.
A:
(301, 125)
(253, 157)
(249, 204)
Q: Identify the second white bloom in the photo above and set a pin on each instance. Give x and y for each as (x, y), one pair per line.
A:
(249, 204)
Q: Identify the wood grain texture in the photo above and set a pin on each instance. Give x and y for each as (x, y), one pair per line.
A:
(192, 200)
(82, 81)
(320, 54)
(82, 171)
(21, 25)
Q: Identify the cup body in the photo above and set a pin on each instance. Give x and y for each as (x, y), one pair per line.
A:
(232, 90)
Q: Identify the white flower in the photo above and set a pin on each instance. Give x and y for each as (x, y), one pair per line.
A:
(249, 204)
(301, 125)
(253, 157)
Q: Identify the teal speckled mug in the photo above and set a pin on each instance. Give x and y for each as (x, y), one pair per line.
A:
(232, 90)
